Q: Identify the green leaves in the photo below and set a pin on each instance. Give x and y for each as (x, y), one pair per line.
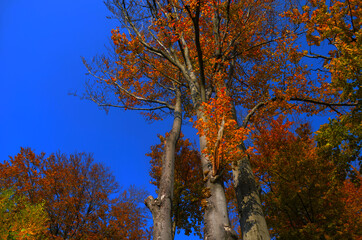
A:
(21, 219)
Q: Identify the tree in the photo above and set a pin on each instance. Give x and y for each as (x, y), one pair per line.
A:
(171, 39)
(187, 191)
(304, 197)
(121, 74)
(134, 94)
(19, 218)
(336, 24)
(77, 195)
(126, 218)
(248, 52)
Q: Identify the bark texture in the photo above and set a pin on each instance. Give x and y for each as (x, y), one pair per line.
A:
(252, 220)
(161, 207)
(251, 216)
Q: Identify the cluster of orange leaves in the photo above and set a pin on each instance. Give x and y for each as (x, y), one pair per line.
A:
(218, 114)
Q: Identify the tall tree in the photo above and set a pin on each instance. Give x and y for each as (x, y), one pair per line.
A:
(188, 192)
(163, 91)
(161, 207)
(236, 51)
(77, 195)
(178, 35)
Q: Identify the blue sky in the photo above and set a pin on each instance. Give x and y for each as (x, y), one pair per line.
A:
(41, 44)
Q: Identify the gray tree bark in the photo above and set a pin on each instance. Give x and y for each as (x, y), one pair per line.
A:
(161, 206)
(251, 216)
(252, 220)
(216, 218)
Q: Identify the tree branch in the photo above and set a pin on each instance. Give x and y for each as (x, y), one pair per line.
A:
(251, 113)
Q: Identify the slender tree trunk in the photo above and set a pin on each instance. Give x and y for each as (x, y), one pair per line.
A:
(216, 218)
(161, 206)
(252, 220)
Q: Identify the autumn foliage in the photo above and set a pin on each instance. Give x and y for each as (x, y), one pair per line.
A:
(304, 198)
(77, 195)
(19, 218)
(232, 57)
(221, 130)
(188, 190)
(338, 24)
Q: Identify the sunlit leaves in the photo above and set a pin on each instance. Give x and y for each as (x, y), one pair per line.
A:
(21, 219)
(221, 131)
(338, 24)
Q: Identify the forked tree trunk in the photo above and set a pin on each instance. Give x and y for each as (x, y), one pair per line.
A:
(252, 220)
(216, 219)
(161, 206)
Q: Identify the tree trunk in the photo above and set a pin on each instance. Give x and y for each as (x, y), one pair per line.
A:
(216, 218)
(161, 206)
(252, 220)
(251, 217)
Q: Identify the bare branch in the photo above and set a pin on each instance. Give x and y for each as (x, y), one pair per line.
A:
(251, 113)
(330, 105)
(314, 55)
(324, 103)
(132, 108)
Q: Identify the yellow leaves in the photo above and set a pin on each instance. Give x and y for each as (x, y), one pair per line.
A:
(305, 8)
(339, 23)
(20, 219)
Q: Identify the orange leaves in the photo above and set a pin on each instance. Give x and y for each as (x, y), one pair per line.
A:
(221, 131)
(74, 191)
(304, 196)
(352, 198)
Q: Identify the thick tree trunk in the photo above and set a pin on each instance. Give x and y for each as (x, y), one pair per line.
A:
(216, 218)
(252, 220)
(161, 206)
(251, 217)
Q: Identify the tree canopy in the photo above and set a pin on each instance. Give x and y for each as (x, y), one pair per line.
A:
(236, 64)
(72, 197)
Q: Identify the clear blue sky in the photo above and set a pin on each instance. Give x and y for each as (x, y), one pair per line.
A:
(41, 44)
